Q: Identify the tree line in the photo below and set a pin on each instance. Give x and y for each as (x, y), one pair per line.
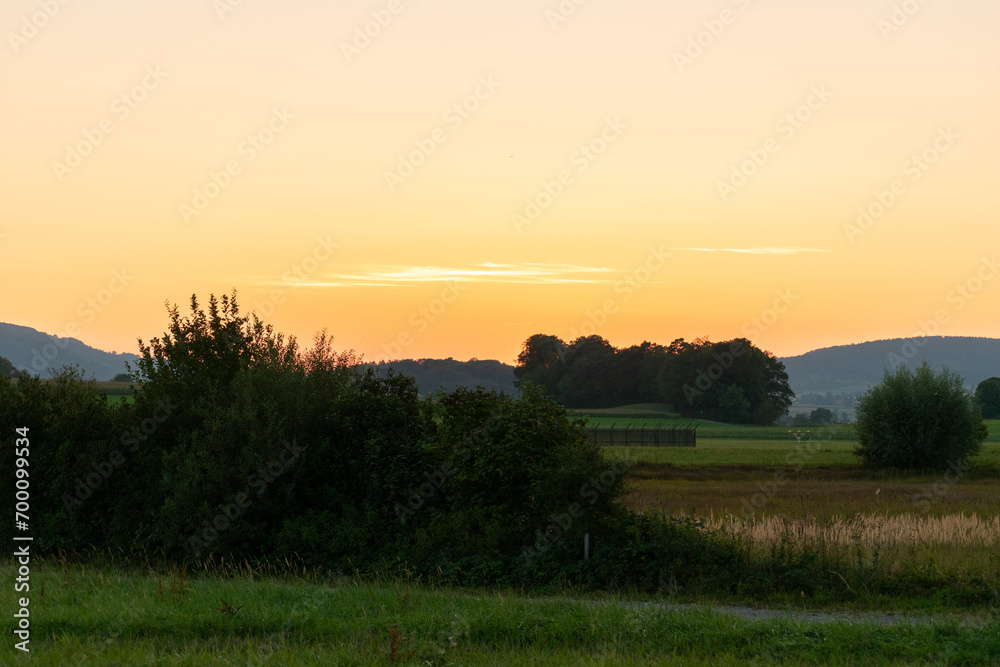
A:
(241, 444)
(732, 381)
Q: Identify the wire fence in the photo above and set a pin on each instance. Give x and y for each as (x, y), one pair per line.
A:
(661, 435)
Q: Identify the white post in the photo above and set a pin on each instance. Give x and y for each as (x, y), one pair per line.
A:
(586, 546)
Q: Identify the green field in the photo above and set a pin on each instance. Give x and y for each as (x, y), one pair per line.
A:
(106, 616)
(715, 434)
(767, 454)
(116, 399)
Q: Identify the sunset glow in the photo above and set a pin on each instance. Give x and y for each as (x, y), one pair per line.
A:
(463, 175)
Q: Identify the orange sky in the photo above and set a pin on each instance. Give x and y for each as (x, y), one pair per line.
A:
(469, 174)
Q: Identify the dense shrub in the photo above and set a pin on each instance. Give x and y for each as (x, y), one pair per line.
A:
(241, 444)
(508, 477)
(919, 420)
(73, 460)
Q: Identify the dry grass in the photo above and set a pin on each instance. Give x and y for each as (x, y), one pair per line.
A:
(867, 530)
(957, 547)
(822, 492)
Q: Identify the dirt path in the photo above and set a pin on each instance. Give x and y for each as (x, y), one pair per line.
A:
(805, 616)
(801, 615)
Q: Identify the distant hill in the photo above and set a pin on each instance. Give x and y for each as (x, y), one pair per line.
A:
(853, 368)
(848, 369)
(449, 374)
(38, 353)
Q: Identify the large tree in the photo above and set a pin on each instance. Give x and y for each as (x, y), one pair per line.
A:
(541, 362)
(918, 420)
(988, 398)
(636, 370)
(732, 381)
(589, 378)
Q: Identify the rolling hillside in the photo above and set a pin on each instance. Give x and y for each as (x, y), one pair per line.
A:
(846, 369)
(39, 353)
(853, 368)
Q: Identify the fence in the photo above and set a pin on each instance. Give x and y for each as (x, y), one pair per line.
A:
(674, 435)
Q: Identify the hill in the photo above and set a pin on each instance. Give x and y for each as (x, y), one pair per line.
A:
(853, 368)
(39, 353)
(844, 369)
(449, 374)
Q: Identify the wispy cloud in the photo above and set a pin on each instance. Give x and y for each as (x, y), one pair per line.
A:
(489, 272)
(755, 251)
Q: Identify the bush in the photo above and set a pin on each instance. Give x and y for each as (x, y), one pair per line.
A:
(74, 456)
(241, 445)
(507, 477)
(918, 420)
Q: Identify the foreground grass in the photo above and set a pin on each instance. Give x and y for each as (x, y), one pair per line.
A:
(102, 616)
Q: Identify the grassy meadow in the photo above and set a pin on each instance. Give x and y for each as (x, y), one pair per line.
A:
(772, 494)
(278, 615)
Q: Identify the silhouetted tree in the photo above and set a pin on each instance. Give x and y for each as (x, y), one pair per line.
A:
(588, 381)
(540, 362)
(698, 376)
(988, 398)
(821, 416)
(732, 381)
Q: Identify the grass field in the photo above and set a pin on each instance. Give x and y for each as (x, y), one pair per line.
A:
(107, 616)
(712, 433)
(770, 492)
(767, 454)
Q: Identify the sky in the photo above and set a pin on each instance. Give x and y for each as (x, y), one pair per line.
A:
(442, 178)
